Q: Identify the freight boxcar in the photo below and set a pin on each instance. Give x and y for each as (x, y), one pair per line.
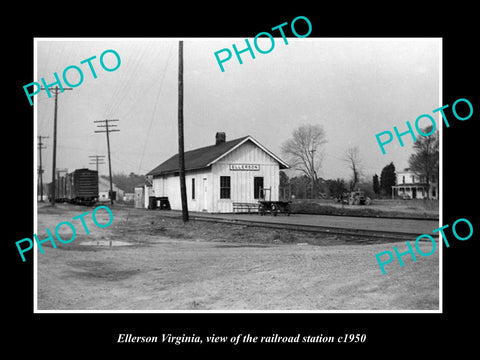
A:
(60, 189)
(78, 187)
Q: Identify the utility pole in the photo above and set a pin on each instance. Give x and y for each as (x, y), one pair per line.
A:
(97, 159)
(40, 169)
(56, 89)
(181, 155)
(313, 171)
(107, 130)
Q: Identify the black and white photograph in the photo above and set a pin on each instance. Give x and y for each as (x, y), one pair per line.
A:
(231, 180)
(289, 202)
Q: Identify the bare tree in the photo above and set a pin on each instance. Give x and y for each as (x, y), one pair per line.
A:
(425, 160)
(304, 150)
(352, 157)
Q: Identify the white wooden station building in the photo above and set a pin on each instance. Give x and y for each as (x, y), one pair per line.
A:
(217, 176)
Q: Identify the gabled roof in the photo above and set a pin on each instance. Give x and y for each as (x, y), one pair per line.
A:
(206, 156)
(103, 181)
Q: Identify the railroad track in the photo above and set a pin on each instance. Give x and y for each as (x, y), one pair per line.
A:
(377, 234)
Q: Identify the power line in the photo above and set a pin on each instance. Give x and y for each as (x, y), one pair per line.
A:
(55, 90)
(155, 107)
(97, 160)
(120, 92)
(40, 169)
(107, 126)
(181, 156)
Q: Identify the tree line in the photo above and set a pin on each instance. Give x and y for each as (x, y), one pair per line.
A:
(305, 150)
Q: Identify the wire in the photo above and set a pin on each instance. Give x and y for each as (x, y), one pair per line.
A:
(154, 82)
(155, 107)
(121, 91)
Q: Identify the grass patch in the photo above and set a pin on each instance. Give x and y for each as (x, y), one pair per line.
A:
(364, 211)
(285, 237)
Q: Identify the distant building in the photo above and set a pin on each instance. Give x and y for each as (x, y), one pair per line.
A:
(142, 193)
(413, 186)
(217, 176)
(104, 190)
(128, 197)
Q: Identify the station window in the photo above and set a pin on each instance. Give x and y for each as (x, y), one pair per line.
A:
(193, 188)
(224, 187)
(257, 187)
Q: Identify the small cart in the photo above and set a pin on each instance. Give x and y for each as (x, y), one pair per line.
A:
(274, 207)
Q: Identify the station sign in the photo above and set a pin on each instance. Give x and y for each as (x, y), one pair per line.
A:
(245, 167)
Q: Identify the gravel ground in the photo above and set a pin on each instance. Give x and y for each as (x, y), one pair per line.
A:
(159, 263)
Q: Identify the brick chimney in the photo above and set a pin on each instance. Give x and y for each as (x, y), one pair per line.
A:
(220, 138)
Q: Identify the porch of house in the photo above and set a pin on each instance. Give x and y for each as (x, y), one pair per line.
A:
(414, 191)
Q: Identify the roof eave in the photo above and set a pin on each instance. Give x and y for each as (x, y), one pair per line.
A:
(163, 173)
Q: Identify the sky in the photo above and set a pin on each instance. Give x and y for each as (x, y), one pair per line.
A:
(354, 88)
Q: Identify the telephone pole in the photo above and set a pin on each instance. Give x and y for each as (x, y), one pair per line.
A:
(107, 130)
(97, 159)
(313, 172)
(56, 89)
(40, 169)
(181, 156)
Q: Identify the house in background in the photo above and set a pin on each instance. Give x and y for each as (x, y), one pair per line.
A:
(216, 176)
(413, 186)
(129, 197)
(104, 190)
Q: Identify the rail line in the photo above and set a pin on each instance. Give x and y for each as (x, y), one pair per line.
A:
(311, 228)
(378, 234)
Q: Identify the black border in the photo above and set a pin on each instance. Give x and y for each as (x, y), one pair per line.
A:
(91, 333)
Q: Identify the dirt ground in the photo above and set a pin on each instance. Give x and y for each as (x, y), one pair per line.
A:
(158, 263)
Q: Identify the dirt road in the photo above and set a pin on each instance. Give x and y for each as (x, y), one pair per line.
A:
(165, 265)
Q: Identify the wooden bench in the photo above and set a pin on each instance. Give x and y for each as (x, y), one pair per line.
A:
(242, 207)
